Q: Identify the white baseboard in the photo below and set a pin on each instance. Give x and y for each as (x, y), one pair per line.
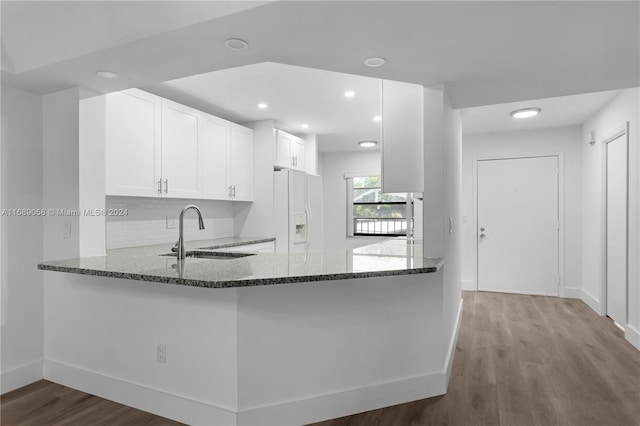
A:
(468, 285)
(155, 401)
(20, 376)
(195, 412)
(344, 403)
(632, 335)
(572, 293)
(448, 361)
(591, 301)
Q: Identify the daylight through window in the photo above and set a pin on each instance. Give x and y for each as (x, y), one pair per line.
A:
(377, 213)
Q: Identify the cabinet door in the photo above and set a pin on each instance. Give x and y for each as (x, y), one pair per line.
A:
(214, 157)
(283, 150)
(241, 168)
(297, 152)
(179, 151)
(132, 144)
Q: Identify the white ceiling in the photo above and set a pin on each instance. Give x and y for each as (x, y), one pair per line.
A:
(485, 52)
(40, 33)
(294, 95)
(556, 112)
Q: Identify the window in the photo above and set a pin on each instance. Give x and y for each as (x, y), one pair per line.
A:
(375, 213)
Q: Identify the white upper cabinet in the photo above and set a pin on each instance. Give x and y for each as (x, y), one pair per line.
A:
(297, 152)
(214, 157)
(159, 148)
(402, 137)
(283, 149)
(290, 152)
(132, 139)
(180, 151)
(241, 165)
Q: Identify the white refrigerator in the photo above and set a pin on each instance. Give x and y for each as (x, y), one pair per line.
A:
(297, 211)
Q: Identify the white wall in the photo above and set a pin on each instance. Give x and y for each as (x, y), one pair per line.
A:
(621, 109)
(256, 219)
(60, 172)
(22, 283)
(565, 140)
(434, 143)
(334, 165)
(101, 336)
(452, 185)
(91, 173)
(442, 180)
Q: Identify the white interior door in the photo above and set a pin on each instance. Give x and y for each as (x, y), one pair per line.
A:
(616, 229)
(517, 218)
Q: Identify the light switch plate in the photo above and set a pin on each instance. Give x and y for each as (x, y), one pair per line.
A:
(66, 230)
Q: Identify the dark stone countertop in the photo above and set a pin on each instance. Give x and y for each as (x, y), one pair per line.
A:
(397, 256)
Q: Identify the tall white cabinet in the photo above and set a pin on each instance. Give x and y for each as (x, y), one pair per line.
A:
(159, 148)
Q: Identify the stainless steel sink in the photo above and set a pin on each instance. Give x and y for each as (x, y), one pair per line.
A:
(201, 254)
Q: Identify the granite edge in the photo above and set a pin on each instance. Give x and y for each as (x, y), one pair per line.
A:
(240, 283)
(239, 243)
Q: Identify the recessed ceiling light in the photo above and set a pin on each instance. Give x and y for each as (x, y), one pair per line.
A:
(375, 62)
(377, 118)
(262, 105)
(236, 44)
(305, 126)
(367, 144)
(525, 112)
(107, 74)
(349, 94)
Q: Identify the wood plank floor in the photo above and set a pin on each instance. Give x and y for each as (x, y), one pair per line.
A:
(48, 404)
(520, 360)
(528, 360)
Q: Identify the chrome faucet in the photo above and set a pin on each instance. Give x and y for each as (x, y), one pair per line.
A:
(179, 247)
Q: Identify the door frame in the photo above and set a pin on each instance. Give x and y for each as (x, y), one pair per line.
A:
(620, 131)
(474, 227)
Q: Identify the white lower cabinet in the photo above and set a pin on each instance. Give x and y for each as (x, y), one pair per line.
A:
(159, 148)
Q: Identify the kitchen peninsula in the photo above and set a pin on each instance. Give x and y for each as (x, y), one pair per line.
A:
(264, 338)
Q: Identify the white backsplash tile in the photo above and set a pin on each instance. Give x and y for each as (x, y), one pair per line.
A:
(145, 222)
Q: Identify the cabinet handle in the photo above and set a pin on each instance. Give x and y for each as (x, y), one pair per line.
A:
(166, 186)
(234, 191)
(159, 186)
(230, 190)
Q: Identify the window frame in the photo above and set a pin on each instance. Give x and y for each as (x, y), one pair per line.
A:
(409, 210)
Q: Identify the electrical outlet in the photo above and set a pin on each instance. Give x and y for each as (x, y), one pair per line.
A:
(162, 353)
(171, 222)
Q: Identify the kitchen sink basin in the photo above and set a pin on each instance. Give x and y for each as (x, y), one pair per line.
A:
(201, 254)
